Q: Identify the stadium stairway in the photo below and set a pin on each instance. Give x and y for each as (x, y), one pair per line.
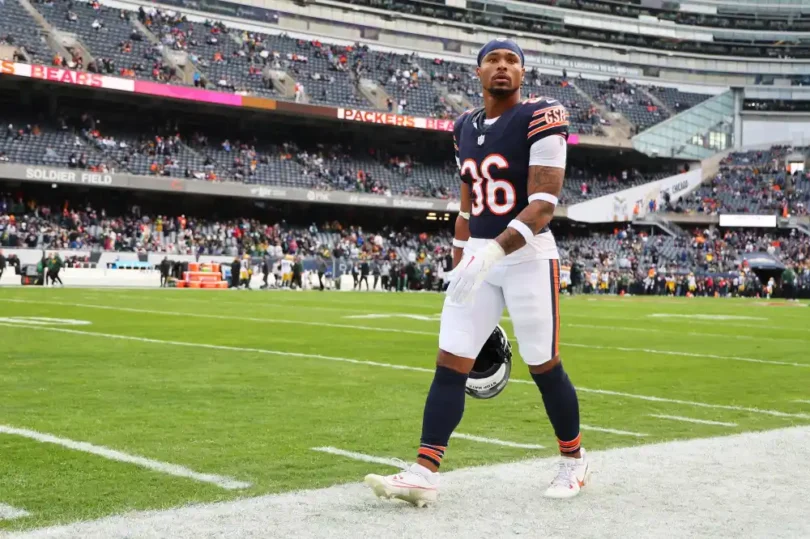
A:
(374, 93)
(619, 129)
(176, 59)
(655, 99)
(661, 221)
(57, 41)
(456, 100)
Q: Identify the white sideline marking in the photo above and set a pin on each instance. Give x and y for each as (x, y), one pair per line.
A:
(803, 401)
(713, 317)
(225, 317)
(359, 456)
(613, 431)
(495, 441)
(101, 451)
(409, 332)
(688, 354)
(693, 420)
(690, 333)
(8, 512)
(113, 336)
(667, 484)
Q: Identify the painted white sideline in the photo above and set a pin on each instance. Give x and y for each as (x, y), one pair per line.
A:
(224, 317)
(495, 441)
(688, 354)
(613, 431)
(112, 454)
(650, 398)
(693, 420)
(802, 401)
(710, 488)
(431, 334)
(8, 512)
(360, 456)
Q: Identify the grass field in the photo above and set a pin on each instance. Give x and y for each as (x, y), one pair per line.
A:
(244, 385)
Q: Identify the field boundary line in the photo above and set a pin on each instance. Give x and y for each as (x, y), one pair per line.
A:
(360, 456)
(433, 334)
(221, 481)
(613, 431)
(649, 398)
(689, 333)
(226, 317)
(693, 420)
(688, 354)
(495, 441)
(9, 512)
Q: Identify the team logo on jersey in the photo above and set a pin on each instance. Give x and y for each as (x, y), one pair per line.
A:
(481, 140)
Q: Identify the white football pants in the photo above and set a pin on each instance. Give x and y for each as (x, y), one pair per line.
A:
(530, 291)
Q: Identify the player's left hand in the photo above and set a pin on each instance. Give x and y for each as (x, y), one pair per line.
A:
(471, 271)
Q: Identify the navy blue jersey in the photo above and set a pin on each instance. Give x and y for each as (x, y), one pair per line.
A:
(494, 159)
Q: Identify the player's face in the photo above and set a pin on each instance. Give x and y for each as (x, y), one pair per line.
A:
(501, 72)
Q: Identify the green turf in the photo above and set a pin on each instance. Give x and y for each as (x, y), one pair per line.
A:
(256, 416)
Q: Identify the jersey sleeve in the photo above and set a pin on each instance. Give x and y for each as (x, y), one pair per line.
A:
(456, 139)
(546, 117)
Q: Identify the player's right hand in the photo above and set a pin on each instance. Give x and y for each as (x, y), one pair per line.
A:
(471, 271)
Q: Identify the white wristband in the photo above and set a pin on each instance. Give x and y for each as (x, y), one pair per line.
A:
(459, 243)
(546, 197)
(464, 215)
(523, 228)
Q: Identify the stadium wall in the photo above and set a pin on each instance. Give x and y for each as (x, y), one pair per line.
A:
(621, 206)
(769, 128)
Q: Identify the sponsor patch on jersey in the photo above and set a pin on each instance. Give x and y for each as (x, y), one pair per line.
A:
(548, 118)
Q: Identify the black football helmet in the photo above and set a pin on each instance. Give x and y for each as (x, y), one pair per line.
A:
(490, 373)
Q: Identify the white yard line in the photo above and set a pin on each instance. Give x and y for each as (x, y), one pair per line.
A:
(802, 401)
(689, 333)
(688, 354)
(613, 431)
(495, 441)
(663, 497)
(226, 317)
(101, 451)
(112, 336)
(432, 334)
(359, 456)
(8, 512)
(693, 420)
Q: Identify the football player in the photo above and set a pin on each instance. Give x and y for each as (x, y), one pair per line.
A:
(511, 156)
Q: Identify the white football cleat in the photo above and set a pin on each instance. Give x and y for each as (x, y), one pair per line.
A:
(571, 477)
(408, 485)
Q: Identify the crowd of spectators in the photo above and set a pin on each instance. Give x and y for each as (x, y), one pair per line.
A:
(25, 223)
(755, 182)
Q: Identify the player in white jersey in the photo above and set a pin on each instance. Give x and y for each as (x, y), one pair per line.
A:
(286, 272)
(511, 156)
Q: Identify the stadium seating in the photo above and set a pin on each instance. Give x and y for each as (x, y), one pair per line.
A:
(675, 99)
(97, 144)
(625, 98)
(515, 21)
(703, 251)
(19, 29)
(238, 61)
(752, 182)
(626, 251)
(115, 44)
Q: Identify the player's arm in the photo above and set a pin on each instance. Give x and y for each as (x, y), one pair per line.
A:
(544, 186)
(462, 230)
(548, 147)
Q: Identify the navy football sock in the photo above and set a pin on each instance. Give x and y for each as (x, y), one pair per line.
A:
(443, 410)
(562, 406)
